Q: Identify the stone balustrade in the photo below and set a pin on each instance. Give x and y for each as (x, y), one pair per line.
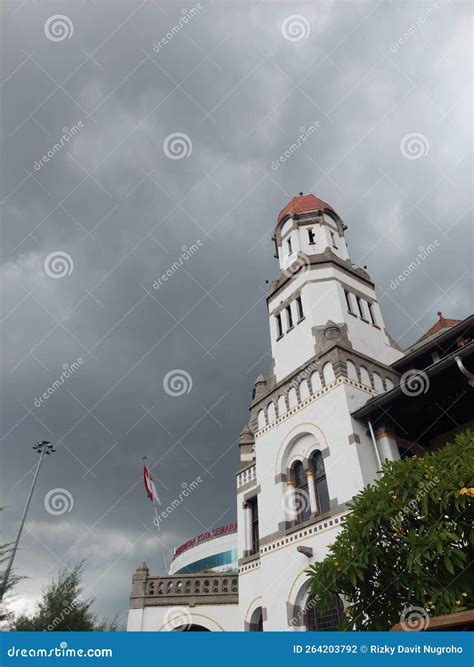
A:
(246, 476)
(191, 589)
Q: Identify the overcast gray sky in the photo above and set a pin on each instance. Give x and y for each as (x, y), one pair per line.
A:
(386, 89)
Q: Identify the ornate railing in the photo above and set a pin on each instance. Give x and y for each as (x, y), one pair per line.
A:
(192, 589)
(246, 476)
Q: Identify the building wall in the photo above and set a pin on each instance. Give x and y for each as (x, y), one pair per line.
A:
(276, 580)
(322, 293)
(324, 424)
(216, 618)
(279, 583)
(298, 235)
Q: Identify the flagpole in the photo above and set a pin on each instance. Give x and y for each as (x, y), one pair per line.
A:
(159, 535)
(158, 525)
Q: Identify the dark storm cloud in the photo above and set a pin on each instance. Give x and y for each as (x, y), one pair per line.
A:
(123, 211)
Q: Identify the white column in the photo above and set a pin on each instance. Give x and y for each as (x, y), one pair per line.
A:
(312, 492)
(290, 501)
(387, 447)
(295, 241)
(248, 528)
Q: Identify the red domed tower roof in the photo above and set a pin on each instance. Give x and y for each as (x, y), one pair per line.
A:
(303, 204)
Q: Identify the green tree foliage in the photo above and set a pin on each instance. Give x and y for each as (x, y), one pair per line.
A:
(408, 542)
(5, 613)
(64, 608)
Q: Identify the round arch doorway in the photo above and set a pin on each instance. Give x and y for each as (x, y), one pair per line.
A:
(256, 621)
(192, 627)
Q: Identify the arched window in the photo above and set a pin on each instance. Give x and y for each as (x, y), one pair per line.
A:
(378, 384)
(328, 373)
(351, 370)
(304, 390)
(316, 464)
(281, 405)
(261, 419)
(302, 502)
(388, 384)
(325, 621)
(271, 414)
(364, 376)
(316, 382)
(292, 398)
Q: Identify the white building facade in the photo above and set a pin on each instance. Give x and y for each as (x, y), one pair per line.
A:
(318, 432)
(303, 456)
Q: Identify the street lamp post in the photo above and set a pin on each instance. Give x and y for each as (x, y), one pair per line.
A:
(41, 448)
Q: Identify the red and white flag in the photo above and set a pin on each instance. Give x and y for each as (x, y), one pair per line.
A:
(150, 486)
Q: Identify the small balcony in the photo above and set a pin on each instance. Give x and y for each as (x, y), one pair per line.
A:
(246, 476)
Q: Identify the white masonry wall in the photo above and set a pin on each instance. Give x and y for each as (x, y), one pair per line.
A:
(324, 424)
(277, 578)
(323, 299)
(299, 239)
(216, 618)
(280, 580)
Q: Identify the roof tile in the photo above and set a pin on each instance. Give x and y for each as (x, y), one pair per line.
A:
(303, 204)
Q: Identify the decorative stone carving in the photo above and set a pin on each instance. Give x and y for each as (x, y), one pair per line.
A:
(326, 335)
(207, 588)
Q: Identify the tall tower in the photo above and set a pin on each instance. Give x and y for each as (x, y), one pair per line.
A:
(303, 457)
(320, 295)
